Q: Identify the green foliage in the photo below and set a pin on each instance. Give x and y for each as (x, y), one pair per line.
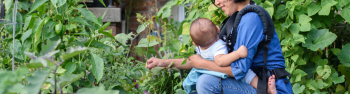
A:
(306, 32)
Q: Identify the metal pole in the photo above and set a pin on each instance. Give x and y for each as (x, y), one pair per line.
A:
(14, 19)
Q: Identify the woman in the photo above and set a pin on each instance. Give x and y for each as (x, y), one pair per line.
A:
(249, 34)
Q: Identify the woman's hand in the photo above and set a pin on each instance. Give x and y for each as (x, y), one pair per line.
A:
(156, 62)
(195, 61)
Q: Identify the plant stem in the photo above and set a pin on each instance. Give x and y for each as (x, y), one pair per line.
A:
(55, 80)
(127, 54)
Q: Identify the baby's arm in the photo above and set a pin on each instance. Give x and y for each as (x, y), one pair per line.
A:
(227, 59)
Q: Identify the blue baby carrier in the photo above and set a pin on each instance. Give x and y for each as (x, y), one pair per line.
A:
(232, 22)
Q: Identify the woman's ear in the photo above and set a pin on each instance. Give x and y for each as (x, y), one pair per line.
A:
(217, 29)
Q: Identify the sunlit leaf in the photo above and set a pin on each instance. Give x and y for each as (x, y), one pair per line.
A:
(345, 13)
(71, 67)
(36, 81)
(312, 9)
(324, 71)
(58, 3)
(337, 79)
(79, 20)
(49, 47)
(89, 15)
(344, 55)
(73, 52)
(281, 11)
(144, 43)
(317, 39)
(141, 28)
(69, 78)
(122, 37)
(297, 88)
(156, 70)
(36, 4)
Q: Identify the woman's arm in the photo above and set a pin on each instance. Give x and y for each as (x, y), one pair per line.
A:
(198, 62)
(156, 62)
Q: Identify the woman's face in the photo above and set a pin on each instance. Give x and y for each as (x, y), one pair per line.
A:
(228, 6)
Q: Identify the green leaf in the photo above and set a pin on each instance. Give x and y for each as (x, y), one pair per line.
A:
(36, 81)
(103, 27)
(122, 37)
(73, 52)
(297, 88)
(145, 43)
(336, 79)
(344, 55)
(328, 2)
(35, 65)
(166, 12)
(49, 47)
(325, 10)
(8, 4)
(58, 3)
(71, 67)
(184, 62)
(299, 38)
(192, 13)
(301, 61)
(305, 27)
(304, 19)
(141, 28)
(339, 88)
(320, 84)
(317, 39)
(345, 2)
(97, 66)
(294, 28)
(186, 39)
(26, 35)
(108, 34)
(79, 20)
(156, 70)
(335, 51)
(295, 58)
(96, 90)
(97, 44)
(28, 22)
(102, 3)
(69, 78)
(36, 4)
(89, 15)
(312, 9)
(299, 72)
(268, 6)
(212, 7)
(281, 11)
(345, 13)
(9, 28)
(186, 28)
(325, 71)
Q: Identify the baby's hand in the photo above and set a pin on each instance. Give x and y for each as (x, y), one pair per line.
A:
(243, 52)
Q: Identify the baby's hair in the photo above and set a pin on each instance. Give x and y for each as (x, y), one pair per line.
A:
(203, 32)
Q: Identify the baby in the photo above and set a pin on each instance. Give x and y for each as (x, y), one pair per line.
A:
(204, 34)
